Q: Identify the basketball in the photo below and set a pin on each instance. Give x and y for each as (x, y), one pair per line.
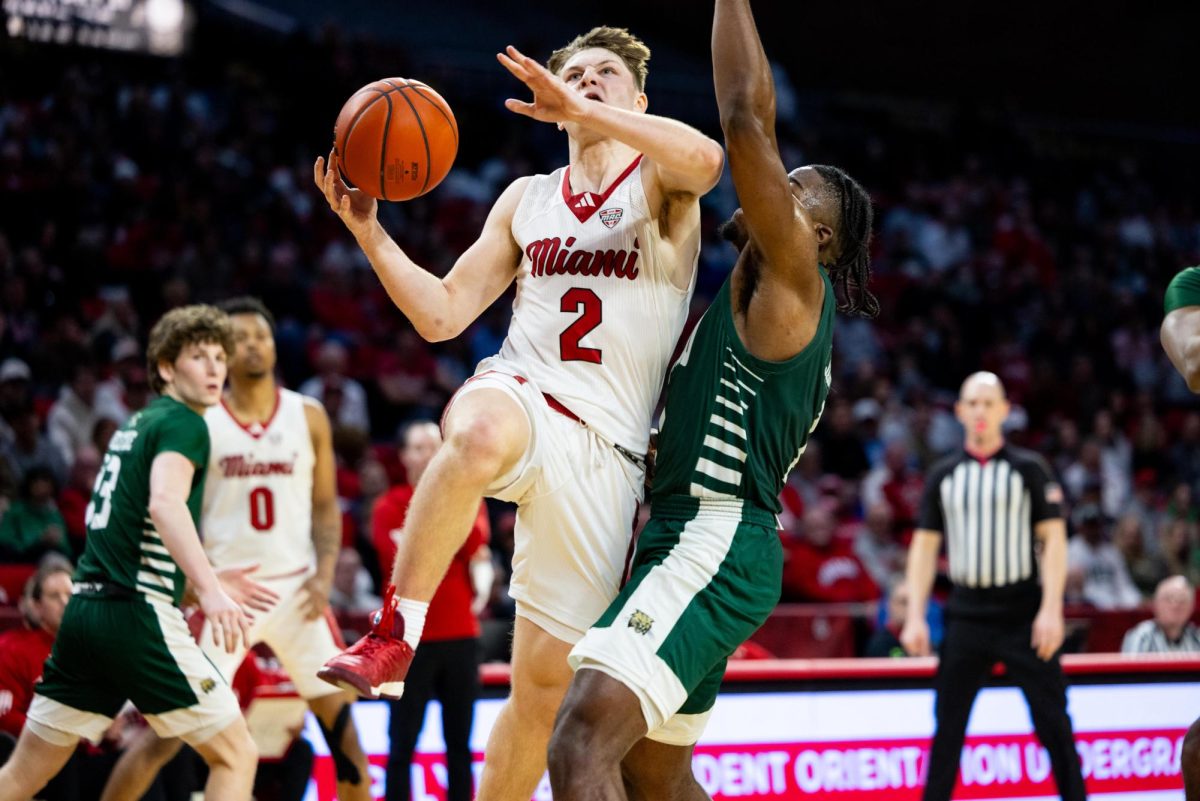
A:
(395, 139)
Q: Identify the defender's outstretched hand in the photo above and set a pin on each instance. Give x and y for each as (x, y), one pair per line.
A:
(356, 208)
(553, 100)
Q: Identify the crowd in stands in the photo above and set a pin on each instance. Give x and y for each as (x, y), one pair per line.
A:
(128, 187)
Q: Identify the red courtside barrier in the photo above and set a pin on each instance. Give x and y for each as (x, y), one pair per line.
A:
(858, 729)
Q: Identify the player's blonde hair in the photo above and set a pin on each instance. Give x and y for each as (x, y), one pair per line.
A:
(181, 327)
(619, 41)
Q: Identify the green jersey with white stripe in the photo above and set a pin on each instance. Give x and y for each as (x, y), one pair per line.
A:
(123, 547)
(734, 425)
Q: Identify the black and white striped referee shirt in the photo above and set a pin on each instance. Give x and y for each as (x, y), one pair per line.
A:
(986, 511)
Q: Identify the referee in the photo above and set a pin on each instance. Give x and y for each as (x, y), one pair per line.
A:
(991, 501)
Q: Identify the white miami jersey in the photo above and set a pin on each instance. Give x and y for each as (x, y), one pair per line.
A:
(258, 494)
(596, 316)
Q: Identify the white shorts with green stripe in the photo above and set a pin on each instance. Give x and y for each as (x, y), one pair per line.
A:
(705, 576)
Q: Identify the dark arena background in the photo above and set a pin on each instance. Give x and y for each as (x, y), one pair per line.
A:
(1035, 173)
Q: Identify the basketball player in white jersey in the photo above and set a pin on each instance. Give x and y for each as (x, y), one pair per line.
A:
(270, 504)
(604, 255)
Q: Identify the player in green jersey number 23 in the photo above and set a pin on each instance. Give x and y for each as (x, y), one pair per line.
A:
(123, 636)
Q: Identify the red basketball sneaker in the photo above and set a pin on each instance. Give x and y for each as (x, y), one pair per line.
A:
(376, 665)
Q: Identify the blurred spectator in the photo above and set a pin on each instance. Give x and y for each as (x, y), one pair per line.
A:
(342, 396)
(77, 494)
(842, 450)
(127, 389)
(895, 483)
(876, 547)
(31, 448)
(818, 567)
(24, 649)
(1106, 581)
(1146, 507)
(1171, 629)
(32, 526)
(1178, 547)
(885, 641)
(15, 396)
(351, 591)
(1144, 569)
(1092, 470)
(74, 414)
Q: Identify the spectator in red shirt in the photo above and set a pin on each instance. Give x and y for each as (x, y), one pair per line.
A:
(23, 650)
(446, 666)
(819, 567)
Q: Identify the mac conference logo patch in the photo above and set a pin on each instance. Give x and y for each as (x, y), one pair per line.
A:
(640, 622)
(611, 217)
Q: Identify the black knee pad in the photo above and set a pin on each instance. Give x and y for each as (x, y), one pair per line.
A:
(344, 769)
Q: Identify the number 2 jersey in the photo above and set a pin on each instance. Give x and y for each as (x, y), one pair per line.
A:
(596, 316)
(258, 500)
(123, 546)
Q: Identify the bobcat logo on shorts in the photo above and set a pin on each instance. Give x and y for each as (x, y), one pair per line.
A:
(640, 622)
(611, 217)
(207, 686)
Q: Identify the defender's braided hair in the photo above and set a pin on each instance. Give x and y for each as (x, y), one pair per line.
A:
(852, 271)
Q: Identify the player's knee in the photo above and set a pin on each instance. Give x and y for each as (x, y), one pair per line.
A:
(571, 754)
(480, 445)
(233, 749)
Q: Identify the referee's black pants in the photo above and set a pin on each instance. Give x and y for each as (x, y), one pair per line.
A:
(969, 650)
(446, 670)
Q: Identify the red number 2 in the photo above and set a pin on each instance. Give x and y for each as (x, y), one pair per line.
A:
(574, 300)
(262, 509)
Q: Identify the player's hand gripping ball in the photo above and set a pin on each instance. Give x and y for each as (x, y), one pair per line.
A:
(395, 139)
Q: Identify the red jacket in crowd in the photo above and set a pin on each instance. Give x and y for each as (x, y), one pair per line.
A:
(449, 616)
(22, 653)
(830, 574)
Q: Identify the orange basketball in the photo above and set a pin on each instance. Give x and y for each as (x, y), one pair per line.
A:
(395, 139)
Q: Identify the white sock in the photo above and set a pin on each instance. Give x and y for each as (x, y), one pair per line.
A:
(413, 613)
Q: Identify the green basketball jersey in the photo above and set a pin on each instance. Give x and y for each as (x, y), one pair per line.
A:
(123, 547)
(734, 425)
(1184, 290)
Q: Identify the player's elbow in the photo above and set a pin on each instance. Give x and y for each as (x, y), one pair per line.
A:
(159, 507)
(710, 160)
(435, 328)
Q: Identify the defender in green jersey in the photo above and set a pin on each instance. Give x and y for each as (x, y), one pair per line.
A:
(742, 400)
(123, 636)
(1180, 335)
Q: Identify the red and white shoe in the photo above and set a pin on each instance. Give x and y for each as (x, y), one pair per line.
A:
(376, 665)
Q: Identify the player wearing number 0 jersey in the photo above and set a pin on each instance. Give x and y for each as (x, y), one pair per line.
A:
(258, 503)
(604, 255)
(742, 400)
(270, 506)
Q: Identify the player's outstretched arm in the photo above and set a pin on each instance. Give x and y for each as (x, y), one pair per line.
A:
(1180, 337)
(439, 308)
(684, 159)
(746, 100)
(170, 482)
